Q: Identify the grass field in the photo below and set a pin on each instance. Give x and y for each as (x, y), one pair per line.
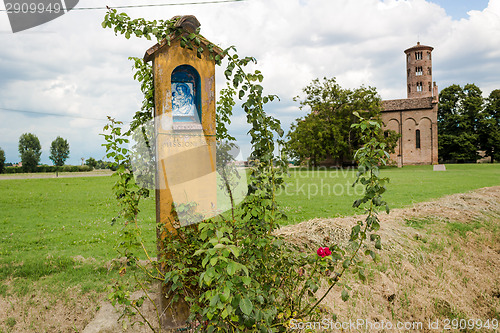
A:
(44, 223)
(328, 192)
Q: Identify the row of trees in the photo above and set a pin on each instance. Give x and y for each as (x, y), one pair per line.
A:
(326, 132)
(467, 123)
(30, 151)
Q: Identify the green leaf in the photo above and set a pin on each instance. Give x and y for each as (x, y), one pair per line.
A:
(232, 268)
(207, 279)
(371, 254)
(246, 280)
(234, 250)
(214, 300)
(346, 263)
(246, 306)
(345, 295)
(361, 274)
(226, 294)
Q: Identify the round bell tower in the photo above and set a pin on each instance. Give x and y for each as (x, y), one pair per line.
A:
(419, 71)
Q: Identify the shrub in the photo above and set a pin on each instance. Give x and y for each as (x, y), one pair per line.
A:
(51, 168)
(14, 169)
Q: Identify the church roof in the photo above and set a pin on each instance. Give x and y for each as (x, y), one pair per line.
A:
(408, 104)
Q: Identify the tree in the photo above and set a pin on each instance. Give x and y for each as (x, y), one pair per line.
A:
(2, 161)
(100, 164)
(59, 151)
(306, 140)
(459, 119)
(30, 151)
(326, 132)
(91, 162)
(489, 127)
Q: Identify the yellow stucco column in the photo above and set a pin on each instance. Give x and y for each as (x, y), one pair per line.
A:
(185, 131)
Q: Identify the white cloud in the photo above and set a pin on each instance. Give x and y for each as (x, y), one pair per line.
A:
(73, 66)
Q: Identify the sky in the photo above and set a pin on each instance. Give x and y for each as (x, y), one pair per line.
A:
(73, 73)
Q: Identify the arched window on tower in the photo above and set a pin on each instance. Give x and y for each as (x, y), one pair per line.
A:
(417, 139)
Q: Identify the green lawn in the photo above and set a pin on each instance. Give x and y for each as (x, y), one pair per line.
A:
(328, 192)
(46, 222)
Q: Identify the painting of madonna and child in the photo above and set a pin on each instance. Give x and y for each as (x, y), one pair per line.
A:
(183, 101)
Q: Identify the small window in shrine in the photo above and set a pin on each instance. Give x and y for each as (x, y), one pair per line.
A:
(186, 97)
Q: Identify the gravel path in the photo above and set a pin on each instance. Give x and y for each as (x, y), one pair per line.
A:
(98, 173)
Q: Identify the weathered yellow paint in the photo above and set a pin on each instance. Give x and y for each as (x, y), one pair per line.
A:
(165, 60)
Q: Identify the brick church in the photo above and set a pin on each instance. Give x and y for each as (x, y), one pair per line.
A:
(415, 117)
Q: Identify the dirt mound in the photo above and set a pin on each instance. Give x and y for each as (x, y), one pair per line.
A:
(440, 263)
(69, 311)
(460, 207)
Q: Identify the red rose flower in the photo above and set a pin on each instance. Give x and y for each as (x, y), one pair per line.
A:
(323, 252)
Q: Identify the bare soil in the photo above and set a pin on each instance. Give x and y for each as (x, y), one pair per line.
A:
(39, 312)
(440, 260)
